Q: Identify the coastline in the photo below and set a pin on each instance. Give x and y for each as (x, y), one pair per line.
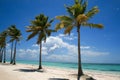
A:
(28, 72)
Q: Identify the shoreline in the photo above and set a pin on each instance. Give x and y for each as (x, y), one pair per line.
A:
(75, 69)
(27, 72)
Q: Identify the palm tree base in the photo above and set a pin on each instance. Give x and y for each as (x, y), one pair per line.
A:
(11, 62)
(39, 68)
(14, 63)
(86, 77)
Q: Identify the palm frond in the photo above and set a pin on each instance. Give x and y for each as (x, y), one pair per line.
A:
(57, 27)
(11, 40)
(93, 25)
(70, 10)
(34, 28)
(49, 31)
(64, 18)
(32, 35)
(92, 12)
(62, 25)
(40, 37)
(51, 20)
(68, 29)
(29, 30)
(84, 6)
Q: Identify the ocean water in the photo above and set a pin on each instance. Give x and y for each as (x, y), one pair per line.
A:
(114, 68)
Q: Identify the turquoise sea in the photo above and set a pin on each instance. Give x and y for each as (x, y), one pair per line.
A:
(114, 68)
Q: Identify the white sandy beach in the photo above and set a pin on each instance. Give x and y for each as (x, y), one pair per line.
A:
(27, 72)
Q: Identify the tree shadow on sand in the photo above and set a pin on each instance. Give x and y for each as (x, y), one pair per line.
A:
(29, 70)
(26, 70)
(58, 79)
(5, 64)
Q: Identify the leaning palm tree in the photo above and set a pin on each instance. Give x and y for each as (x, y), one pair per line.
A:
(3, 37)
(15, 35)
(1, 53)
(78, 17)
(40, 27)
(1, 48)
(10, 31)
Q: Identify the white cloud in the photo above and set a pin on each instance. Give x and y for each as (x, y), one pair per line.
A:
(56, 48)
(68, 52)
(67, 37)
(35, 45)
(28, 53)
(54, 43)
(85, 47)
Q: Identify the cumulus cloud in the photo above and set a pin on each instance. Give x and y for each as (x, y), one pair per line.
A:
(57, 49)
(67, 37)
(30, 53)
(27, 53)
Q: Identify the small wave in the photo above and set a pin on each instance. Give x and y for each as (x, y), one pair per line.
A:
(111, 70)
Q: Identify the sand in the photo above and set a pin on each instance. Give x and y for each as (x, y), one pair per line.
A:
(29, 72)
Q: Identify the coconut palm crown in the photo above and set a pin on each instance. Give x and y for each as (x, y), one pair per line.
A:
(78, 17)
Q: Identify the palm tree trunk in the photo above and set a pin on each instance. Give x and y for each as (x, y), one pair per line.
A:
(14, 56)
(4, 55)
(11, 60)
(40, 58)
(80, 72)
(1, 55)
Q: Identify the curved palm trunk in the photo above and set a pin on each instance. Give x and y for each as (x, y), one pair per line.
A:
(40, 58)
(4, 55)
(80, 72)
(11, 60)
(14, 56)
(1, 55)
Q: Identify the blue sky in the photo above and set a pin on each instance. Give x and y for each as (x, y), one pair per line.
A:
(98, 46)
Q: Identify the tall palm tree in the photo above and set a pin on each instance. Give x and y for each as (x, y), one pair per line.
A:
(3, 37)
(78, 17)
(1, 53)
(1, 48)
(10, 33)
(40, 27)
(15, 35)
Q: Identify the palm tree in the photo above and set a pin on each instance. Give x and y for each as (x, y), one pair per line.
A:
(78, 17)
(1, 53)
(10, 33)
(1, 48)
(15, 35)
(40, 27)
(3, 37)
